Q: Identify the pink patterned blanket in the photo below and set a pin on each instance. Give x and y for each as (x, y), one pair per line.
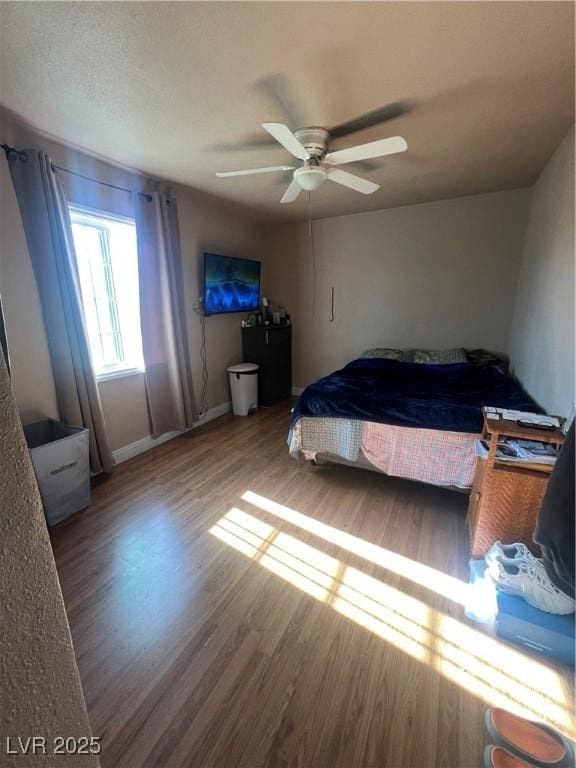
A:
(428, 455)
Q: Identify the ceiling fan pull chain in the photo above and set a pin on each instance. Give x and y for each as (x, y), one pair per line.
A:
(313, 253)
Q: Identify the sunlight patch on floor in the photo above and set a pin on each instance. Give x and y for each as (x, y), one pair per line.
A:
(478, 663)
(424, 575)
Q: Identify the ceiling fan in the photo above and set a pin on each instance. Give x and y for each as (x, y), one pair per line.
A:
(311, 145)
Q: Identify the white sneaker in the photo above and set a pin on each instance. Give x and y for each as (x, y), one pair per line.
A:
(508, 552)
(532, 583)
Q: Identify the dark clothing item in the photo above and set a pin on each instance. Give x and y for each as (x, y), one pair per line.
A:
(555, 526)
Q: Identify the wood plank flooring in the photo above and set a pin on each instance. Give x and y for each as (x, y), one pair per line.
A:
(233, 609)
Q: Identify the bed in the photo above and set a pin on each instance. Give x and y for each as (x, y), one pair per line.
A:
(406, 419)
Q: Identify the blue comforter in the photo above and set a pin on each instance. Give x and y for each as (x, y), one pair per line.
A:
(447, 397)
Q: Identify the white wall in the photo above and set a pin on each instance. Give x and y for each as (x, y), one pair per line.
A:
(542, 338)
(434, 275)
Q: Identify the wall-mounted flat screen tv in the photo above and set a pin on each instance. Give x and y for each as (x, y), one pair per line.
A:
(230, 284)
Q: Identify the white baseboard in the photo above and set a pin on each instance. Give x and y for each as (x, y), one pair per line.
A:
(213, 413)
(140, 446)
(148, 442)
(297, 390)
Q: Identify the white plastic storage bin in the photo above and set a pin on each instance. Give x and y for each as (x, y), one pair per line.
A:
(61, 462)
(244, 387)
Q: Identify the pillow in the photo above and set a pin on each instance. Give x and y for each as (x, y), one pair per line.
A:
(389, 354)
(440, 356)
(484, 357)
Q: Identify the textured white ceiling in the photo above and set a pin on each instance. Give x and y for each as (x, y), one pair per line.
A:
(159, 85)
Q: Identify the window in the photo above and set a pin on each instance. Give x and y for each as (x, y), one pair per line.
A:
(108, 268)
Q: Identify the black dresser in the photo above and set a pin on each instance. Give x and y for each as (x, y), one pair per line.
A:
(270, 347)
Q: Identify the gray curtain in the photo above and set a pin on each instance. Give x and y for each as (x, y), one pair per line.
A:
(48, 231)
(169, 388)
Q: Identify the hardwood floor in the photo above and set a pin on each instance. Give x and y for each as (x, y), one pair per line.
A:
(232, 609)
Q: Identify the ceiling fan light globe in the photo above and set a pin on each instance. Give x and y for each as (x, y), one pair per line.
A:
(310, 178)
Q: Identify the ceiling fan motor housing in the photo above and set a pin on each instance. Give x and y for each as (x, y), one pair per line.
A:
(314, 139)
(312, 175)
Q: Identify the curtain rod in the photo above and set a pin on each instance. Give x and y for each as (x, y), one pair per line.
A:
(23, 156)
(103, 183)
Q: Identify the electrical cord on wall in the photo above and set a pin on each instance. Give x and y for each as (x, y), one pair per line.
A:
(203, 356)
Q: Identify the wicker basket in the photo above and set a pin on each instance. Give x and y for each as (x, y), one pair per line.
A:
(504, 506)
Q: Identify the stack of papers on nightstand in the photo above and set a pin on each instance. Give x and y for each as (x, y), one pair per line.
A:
(529, 451)
(538, 419)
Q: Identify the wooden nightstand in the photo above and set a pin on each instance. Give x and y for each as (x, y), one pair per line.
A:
(506, 497)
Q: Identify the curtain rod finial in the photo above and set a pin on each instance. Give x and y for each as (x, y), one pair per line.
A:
(10, 151)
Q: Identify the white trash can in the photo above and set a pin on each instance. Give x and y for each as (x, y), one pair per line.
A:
(244, 387)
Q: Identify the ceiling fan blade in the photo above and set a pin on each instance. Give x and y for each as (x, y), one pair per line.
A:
(292, 192)
(279, 93)
(250, 171)
(366, 166)
(284, 135)
(364, 151)
(261, 142)
(377, 116)
(352, 181)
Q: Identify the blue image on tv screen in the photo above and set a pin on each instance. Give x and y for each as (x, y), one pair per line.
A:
(230, 285)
